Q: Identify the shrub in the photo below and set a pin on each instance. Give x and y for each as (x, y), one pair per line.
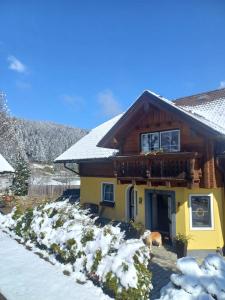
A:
(182, 238)
(69, 234)
(87, 236)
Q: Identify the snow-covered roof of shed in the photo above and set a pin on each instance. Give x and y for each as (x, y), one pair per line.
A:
(86, 147)
(5, 166)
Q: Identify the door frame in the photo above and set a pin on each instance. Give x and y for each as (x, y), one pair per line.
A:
(149, 213)
(127, 202)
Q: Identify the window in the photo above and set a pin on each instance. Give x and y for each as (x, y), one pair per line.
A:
(150, 141)
(107, 192)
(201, 212)
(168, 141)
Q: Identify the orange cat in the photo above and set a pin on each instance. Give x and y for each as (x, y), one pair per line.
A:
(153, 238)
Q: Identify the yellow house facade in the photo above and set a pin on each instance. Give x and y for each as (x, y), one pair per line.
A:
(160, 164)
(208, 239)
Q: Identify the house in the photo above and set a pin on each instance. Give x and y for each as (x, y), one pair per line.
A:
(6, 174)
(161, 163)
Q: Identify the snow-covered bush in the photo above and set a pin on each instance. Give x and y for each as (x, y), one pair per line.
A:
(69, 235)
(195, 282)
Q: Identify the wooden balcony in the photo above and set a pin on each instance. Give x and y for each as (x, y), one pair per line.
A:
(161, 167)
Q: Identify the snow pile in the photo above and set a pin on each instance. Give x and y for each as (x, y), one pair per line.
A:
(67, 235)
(203, 282)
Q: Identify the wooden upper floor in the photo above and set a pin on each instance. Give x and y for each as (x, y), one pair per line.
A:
(160, 145)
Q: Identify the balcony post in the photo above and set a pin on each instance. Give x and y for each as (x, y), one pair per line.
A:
(115, 169)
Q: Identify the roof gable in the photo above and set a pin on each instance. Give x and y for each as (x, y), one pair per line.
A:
(205, 110)
(149, 97)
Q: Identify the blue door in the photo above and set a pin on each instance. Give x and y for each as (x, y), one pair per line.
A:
(160, 211)
(148, 210)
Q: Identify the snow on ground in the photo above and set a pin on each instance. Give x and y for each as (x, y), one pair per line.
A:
(25, 276)
(53, 181)
(194, 282)
(46, 181)
(42, 166)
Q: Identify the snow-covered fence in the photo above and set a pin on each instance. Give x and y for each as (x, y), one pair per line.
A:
(68, 234)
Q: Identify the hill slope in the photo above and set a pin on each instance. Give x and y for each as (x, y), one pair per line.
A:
(39, 141)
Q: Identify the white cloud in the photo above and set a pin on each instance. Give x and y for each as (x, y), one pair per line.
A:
(16, 65)
(72, 101)
(110, 106)
(222, 84)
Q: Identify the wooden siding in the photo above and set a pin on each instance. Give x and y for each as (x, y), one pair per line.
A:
(193, 139)
(96, 169)
(158, 120)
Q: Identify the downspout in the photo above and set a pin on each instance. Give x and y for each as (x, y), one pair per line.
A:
(70, 169)
(222, 170)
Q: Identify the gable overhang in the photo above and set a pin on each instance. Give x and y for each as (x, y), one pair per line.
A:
(84, 160)
(142, 105)
(7, 172)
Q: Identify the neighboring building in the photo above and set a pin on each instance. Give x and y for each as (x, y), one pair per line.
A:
(6, 174)
(161, 163)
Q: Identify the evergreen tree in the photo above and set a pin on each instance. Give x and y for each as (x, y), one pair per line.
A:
(10, 141)
(22, 173)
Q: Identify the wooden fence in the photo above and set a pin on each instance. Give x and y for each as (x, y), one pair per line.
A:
(49, 191)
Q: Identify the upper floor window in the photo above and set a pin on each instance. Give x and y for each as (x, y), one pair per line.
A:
(168, 141)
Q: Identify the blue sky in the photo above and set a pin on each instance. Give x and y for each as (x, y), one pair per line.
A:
(81, 62)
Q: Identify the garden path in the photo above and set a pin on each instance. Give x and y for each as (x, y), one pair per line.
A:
(162, 265)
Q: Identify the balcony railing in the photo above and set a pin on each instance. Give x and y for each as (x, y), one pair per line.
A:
(162, 166)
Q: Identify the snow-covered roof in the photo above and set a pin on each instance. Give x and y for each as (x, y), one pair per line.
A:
(207, 108)
(210, 112)
(5, 166)
(86, 147)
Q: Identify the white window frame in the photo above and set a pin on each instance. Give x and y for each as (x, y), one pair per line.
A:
(163, 131)
(102, 196)
(211, 212)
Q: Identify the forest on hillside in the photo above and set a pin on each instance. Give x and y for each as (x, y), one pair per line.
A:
(35, 141)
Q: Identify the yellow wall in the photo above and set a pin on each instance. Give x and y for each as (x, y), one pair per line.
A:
(91, 193)
(200, 239)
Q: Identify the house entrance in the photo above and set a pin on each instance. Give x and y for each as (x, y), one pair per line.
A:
(160, 214)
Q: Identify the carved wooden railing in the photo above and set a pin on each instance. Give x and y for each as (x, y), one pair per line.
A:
(166, 166)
